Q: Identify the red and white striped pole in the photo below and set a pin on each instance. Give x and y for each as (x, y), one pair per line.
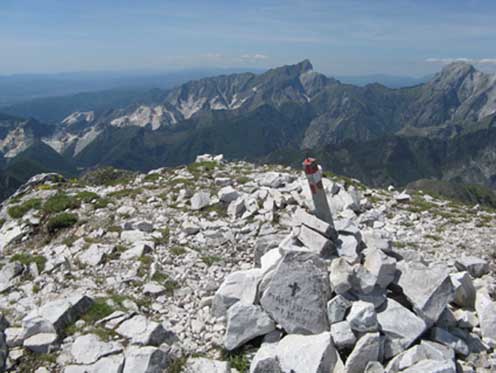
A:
(314, 176)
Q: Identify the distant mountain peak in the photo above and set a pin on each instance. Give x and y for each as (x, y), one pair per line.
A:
(457, 69)
(305, 65)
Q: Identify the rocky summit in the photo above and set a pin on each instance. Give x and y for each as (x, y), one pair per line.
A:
(222, 267)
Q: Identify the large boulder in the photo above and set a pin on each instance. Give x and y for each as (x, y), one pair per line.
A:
(362, 317)
(296, 293)
(383, 267)
(88, 349)
(477, 267)
(266, 360)
(367, 349)
(54, 316)
(245, 322)
(238, 286)
(464, 289)
(200, 200)
(145, 360)
(429, 289)
(142, 331)
(108, 364)
(315, 241)
(486, 310)
(400, 326)
(307, 354)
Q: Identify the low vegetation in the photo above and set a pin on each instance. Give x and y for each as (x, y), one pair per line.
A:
(60, 202)
(18, 211)
(61, 221)
(27, 259)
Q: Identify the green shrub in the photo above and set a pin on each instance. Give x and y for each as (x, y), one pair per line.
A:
(152, 177)
(61, 221)
(210, 259)
(18, 211)
(98, 310)
(27, 259)
(87, 197)
(101, 203)
(60, 202)
(177, 250)
(131, 193)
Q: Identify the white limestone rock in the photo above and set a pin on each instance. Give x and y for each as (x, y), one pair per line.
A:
(296, 293)
(54, 316)
(446, 338)
(204, 365)
(142, 331)
(432, 366)
(40, 343)
(464, 289)
(367, 349)
(228, 194)
(340, 276)
(486, 310)
(477, 267)
(307, 354)
(108, 364)
(429, 289)
(238, 286)
(342, 335)
(200, 200)
(245, 322)
(383, 267)
(315, 242)
(146, 359)
(362, 317)
(88, 349)
(266, 360)
(400, 327)
(336, 309)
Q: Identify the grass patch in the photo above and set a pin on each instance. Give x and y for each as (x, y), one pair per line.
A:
(145, 264)
(198, 169)
(61, 221)
(27, 259)
(237, 360)
(177, 250)
(242, 179)
(131, 193)
(182, 182)
(164, 240)
(98, 310)
(60, 202)
(101, 203)
(31, 361)
(87, 197)
(433, 237)
(219, 208)
(151, 178)
(177, 366)
(18, 211)
(210, 259)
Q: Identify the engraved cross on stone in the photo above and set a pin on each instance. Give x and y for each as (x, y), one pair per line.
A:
(294, 288)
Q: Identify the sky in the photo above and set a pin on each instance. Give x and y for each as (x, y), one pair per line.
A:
(343, 37)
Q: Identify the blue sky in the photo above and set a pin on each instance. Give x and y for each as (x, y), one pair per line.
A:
(345, 37)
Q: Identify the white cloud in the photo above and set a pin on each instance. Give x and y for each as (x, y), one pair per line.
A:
(474, 61)
(254, 57)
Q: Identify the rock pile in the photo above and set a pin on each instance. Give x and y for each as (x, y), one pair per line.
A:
(217, 266)
(325, 302)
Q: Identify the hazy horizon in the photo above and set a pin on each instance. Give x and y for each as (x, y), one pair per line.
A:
(401, 38)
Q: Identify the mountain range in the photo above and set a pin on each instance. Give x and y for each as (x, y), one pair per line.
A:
(444, 128)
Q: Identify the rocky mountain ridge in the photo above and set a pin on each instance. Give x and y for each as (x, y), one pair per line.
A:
(122, 272)
(290, 109)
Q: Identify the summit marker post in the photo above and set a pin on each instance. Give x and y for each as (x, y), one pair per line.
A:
(314, 177)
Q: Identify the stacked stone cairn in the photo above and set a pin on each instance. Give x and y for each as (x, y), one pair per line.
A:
(329, 299)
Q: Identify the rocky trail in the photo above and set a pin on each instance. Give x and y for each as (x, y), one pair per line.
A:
(221, 267)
